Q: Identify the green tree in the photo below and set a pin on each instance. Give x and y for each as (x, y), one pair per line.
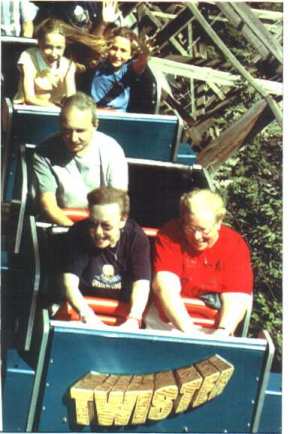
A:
(252, 183)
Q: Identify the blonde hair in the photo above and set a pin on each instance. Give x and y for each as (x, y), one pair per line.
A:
(190, 203)
(96, 44)
(50, 25)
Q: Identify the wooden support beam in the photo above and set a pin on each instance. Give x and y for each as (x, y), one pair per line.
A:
(235, 20)
(258, 29)
(218, 151)
(173, 27)
(159, 24)
(234, 61)
(209, 75)
(202, 73)
(264, 14)
(231, 14)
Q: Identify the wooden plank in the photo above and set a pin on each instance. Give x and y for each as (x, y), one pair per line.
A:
(195, 72)
(173, 27)
(165, 15)
(230, 13)
(209, 75)
(218, 151)
(257, 27)
(264, 14)
(240, 25)
(159, 24)
(235, 62)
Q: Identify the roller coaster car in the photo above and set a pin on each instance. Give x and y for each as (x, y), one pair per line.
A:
(70, 377)
(73, 377)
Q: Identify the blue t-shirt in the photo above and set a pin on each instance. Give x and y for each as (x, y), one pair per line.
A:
(111, 88)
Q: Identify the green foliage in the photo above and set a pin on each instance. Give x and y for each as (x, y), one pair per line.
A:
(252, 183)
(267, 314)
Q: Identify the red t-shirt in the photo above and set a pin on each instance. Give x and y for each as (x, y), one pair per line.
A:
(225, 267)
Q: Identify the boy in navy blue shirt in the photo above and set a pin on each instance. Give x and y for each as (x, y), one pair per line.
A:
(113, 78)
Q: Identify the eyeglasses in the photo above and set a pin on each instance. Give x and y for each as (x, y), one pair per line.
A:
(189, 229)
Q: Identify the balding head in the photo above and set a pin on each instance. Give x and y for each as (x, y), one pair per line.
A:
(202, 212)
(204, 200)
(81, 102)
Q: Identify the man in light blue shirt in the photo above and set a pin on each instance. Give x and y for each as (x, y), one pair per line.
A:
(70, 164)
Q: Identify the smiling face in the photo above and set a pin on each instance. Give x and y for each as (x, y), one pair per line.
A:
(120, 51)
(106, 223)
(201, 229)
(77, 129)
(52, 47)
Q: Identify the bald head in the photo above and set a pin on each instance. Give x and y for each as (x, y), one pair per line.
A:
(202, 201)
(202, 212)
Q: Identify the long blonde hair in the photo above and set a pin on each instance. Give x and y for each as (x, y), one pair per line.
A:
(96, 44)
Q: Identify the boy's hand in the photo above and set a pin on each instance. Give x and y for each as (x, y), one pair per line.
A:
(146, 47)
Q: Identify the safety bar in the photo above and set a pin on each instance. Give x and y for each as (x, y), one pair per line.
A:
(36, 283)
(23, 196)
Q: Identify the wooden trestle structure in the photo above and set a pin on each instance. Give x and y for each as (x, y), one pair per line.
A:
(203, 70)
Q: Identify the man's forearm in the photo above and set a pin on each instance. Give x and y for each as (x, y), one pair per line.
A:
(176, 312)
(55, 214)
(234, 307)
(167, 288)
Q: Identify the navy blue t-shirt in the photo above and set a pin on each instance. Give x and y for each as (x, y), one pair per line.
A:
(111, 88)
(108, 272)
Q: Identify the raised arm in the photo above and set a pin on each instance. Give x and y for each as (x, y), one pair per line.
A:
(140, 62)
(70, 84)
(167, 288)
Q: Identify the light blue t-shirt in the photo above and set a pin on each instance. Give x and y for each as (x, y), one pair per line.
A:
(71, 177)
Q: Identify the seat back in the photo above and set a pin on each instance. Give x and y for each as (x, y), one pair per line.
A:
(155, 188)
(153, 137)
(142, 136)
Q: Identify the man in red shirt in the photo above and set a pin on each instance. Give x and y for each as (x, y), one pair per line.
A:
(196, 254)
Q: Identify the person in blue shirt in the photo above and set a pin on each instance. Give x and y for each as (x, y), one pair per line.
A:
(125, 61)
